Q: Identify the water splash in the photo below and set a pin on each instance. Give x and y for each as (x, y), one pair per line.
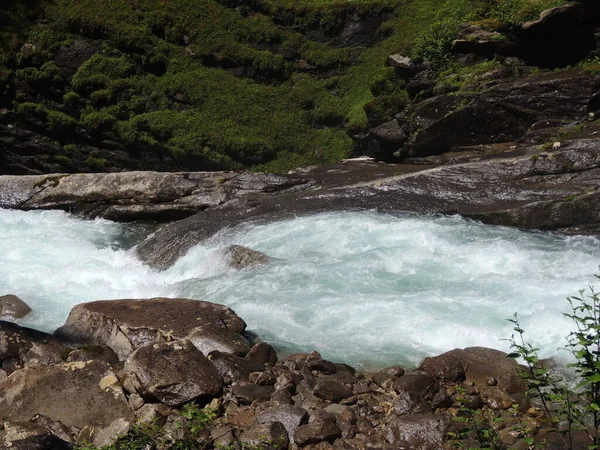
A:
(365, 288)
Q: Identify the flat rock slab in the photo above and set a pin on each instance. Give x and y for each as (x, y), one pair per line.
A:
(76, 394)
(125, 325)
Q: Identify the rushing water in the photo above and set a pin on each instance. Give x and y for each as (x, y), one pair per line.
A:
(364, 288)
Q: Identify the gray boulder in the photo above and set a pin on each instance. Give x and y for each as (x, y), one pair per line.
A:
(76, 394)
(13, 306)
(209, 338)
(173, 373)
(125, 325)
(416, 431)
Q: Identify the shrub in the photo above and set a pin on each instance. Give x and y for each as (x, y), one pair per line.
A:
(98, 121)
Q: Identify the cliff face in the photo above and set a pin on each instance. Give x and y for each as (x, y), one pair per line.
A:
(212, 85)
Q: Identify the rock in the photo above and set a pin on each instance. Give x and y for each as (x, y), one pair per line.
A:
(106, 436)
(240, 257)
(31, 436)
(97, 352)
(562, 36)
(233, 368)
(331, 390)
(290, 416)
(13, 306)
(44, 355)
(419, 383)
(445, 367)
(173, 373)
(386, 377)
(65, 394)
(209, 338)
(16, 340)
(250, 393)
(407, 402)
(137, 195)
(153, 413)
(73, 55)
(316, 432)
(262, 353)
(416, 431)
(125, 325)
(272, 434)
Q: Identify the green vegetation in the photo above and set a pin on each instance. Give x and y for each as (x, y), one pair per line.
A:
(566, 409)
(218, 84)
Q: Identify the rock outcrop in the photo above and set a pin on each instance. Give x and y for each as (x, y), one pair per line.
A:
(126, 325)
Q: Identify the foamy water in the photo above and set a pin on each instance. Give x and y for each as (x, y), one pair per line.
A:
(364, 288)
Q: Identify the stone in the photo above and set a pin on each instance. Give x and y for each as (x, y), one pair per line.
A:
(250, 393)
(31, 436)
(420, 383)
(407, 402)
(125, 325)
(290, 416)
(73, 55)
(416, 431)
(153, 413)
(386, 377)
(44, 355)
(103, 437)
(331, 390)
(209, 338)
(271, 434)
(262, 353)
(316, 432)
(240, 257)
(97, 352)
(173, 373)
(233, 368)
(65, 393)
(16, 340)
(13, 306)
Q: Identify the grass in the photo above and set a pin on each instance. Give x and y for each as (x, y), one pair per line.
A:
(219, 85)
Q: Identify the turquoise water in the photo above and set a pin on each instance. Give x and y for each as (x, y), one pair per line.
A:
(364, 288)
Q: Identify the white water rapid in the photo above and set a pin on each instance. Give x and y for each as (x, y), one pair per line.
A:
(364, 288)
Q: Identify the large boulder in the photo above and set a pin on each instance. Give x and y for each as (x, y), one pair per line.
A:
(173, 373)
(13, 306)
(496, 375)
(75, 394)
(125, 325)
(16, 341)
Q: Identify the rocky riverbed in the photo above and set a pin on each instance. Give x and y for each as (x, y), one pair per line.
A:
(135, 368)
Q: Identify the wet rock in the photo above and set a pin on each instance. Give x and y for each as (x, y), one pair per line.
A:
(272, 433)
(331, 390)
(250, 393)
(233, 368)
(386, 377)
(316, 432)
(64, 393)
(446, 367)
(13, 306)
(209, 338)
(420, 383)
(125, 325)
(153, 413)
(407, 402)
(262, 353)
(416, 431)
(290, 416)
(173, 373)
(240, 257)
(266, 378)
